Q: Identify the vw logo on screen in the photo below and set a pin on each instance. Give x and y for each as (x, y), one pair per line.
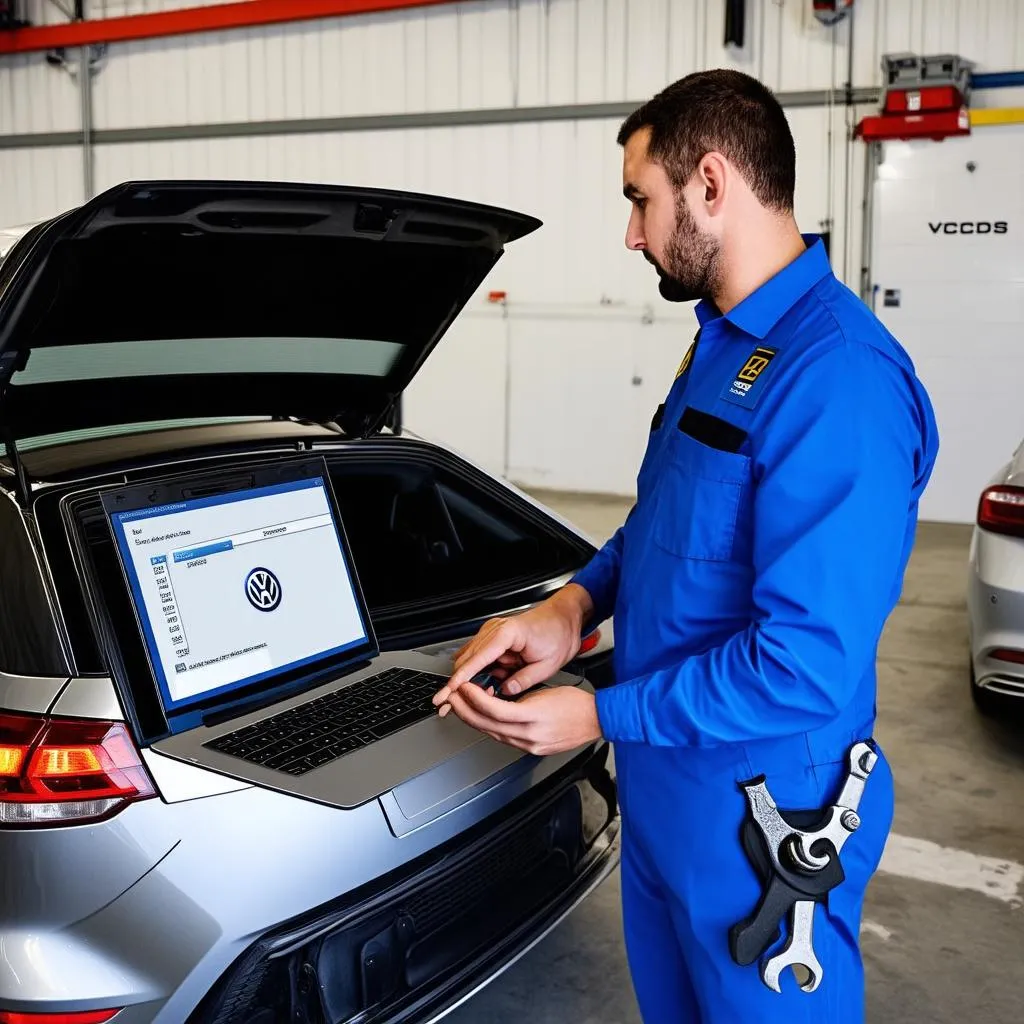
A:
(263, 589)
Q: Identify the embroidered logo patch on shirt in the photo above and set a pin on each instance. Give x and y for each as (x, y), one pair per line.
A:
(749, 382)
(685, 364)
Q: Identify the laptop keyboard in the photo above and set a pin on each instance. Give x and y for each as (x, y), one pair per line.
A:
(320, 731)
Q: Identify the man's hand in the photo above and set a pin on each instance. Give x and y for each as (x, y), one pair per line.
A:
(548, 722)
(525, 649)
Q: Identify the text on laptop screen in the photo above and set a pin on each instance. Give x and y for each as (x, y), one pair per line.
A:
(238, 587)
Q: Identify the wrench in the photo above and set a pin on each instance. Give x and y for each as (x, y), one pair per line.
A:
(798, 951)
(795, 846)
(841, 823)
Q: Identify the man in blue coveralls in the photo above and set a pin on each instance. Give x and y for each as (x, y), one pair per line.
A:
(776, 511)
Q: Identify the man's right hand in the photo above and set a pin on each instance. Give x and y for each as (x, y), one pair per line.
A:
(524, 649)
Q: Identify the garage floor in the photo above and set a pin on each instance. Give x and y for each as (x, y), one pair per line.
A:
(944, 927)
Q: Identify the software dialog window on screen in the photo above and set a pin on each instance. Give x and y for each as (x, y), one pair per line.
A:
(239, 586)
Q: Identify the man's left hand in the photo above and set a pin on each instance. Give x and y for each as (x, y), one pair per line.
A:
(550, 721)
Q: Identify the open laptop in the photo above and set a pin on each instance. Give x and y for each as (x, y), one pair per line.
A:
(263, 658)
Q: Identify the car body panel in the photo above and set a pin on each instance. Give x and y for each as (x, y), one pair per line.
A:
(176, 781)
(76, 872)
(93, 697)
(190, 855)
(210, 875)
(91, 963)
(995, 597)
(156, 908)
(31, 694)
(538, 936)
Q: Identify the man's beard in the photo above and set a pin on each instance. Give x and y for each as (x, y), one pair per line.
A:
(691, 261)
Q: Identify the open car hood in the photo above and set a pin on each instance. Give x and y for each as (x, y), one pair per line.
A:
(168, 300)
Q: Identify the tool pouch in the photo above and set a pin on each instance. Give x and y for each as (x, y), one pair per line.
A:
(755, 935)
(795, 854)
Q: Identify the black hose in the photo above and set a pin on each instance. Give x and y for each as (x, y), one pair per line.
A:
(735, 22)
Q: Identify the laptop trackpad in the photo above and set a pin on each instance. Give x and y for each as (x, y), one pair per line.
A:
(457, 780)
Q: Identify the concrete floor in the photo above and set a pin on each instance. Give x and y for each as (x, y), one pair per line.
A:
(944, 928)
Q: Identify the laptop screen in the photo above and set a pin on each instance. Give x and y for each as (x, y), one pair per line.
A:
(239, 586)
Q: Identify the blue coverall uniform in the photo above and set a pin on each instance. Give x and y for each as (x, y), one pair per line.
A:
(777, 505)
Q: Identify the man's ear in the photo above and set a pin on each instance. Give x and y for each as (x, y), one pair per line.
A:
(712, 173)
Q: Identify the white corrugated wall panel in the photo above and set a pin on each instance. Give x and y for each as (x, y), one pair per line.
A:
(808, 55)
(41, 12)
(497, 53)
(989, 32)
(38, 183)
(121, 8)
(35, 97)
(485, 54)
(442, 58)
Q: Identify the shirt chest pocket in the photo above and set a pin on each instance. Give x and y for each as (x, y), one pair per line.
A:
(702, 501)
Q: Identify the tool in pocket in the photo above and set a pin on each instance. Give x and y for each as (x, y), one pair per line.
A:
(796, 853)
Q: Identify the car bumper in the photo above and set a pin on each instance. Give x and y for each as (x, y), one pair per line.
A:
(995, 599)
(417, 945)
(200, 898)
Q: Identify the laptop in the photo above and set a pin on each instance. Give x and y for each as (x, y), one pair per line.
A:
(262, 657)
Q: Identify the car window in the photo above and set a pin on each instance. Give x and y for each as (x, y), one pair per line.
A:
(29, 643)
(160, 357)
(421, 534)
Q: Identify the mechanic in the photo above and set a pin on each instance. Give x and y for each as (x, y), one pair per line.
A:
(776, 511)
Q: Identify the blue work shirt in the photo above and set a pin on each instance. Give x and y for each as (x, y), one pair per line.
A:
(776, 511)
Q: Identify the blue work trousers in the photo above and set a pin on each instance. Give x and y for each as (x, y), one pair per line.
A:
(686, 881)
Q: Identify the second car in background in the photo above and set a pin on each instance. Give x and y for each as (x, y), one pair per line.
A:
(995, 591)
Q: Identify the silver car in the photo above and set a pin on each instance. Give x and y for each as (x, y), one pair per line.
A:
(995, 589)
(171, 327)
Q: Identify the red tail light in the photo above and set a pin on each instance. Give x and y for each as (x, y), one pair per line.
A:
(1001, 510)
(75, 1017)
(1007, 654)
(55, 771)
(590, 642)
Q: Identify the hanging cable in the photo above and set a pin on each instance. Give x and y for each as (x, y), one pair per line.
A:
(827, 224)
(851, 124)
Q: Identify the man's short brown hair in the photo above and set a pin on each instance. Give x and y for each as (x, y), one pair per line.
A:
(726, 112)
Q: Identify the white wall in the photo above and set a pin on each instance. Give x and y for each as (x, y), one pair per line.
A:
(38, 182)
(557, 387)
(485, 53)
(472, 55)
(961, 311)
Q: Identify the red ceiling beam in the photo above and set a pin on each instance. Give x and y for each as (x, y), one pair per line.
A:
(244, 14)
